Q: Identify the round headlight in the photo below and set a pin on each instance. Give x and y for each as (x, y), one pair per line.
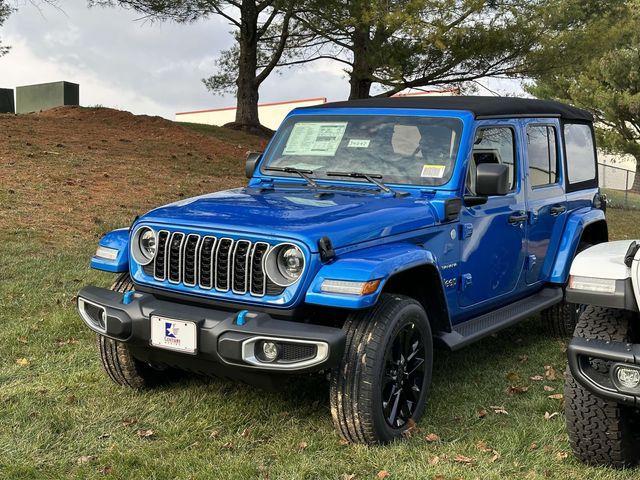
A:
(284, 264)
(143, 245)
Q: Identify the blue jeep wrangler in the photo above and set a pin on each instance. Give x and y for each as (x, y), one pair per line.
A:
(369, 230)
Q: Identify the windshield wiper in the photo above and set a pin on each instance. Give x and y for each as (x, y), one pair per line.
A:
(302, 173)
(370, 177)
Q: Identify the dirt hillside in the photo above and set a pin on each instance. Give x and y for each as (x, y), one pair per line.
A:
(74, 172)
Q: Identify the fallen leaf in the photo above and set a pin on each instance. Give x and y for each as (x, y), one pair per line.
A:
(432, 437)
(127, 422)
(103, 436)
(499, 410)
(482, 413)
(562, 455)
(214, 434)
(548, 388)
(438, 477)
(495, 457)
(537, 378)
(71, 399)
(23, 362)
(245, 433)
(512, 376)
(549, 416)
(383, 474)
(348, 476)
(462, 459)
(533, 446)
(302, 445)
(434, 460)
(524, 358)
(550, 372)
(85, 459)
(228, 445)
(556, 396)
(106, 470)
(142, 433)
(344, 442)
(482, 446)
(515, 390)
(411, 428)
(22, 339)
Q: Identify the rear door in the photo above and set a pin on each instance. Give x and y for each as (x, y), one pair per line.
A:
(546, 199)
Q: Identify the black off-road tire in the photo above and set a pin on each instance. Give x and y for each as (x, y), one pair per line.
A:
(560, 320)
(356, 389)
(601, 432)
(118, 362)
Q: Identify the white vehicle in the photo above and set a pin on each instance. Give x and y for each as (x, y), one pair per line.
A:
(602, 389)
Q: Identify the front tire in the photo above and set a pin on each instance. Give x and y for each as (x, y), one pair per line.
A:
(601, 432)
(381, 385)
(117, 360)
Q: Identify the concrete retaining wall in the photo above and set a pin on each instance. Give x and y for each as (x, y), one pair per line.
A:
(33, 98)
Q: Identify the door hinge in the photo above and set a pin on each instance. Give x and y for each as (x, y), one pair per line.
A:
(531, 261)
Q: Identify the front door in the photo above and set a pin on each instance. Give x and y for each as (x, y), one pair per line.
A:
(546, 197)
(493, 235)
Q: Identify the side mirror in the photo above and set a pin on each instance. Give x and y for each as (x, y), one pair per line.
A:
(492, 179)
(252, 160)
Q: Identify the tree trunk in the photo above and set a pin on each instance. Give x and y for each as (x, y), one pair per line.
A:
(361, 72)
(247, 94)
(636, 180)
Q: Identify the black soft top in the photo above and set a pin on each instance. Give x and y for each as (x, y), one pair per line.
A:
(481, 107)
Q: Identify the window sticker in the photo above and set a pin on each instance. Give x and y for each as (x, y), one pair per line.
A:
(433, 171)
(315, 138)
(359, 143)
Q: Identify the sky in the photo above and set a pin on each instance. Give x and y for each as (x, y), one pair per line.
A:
(149, 68)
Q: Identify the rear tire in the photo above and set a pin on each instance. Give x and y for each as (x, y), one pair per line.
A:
(601, 432)
(560, 320)
(381, 385)
(117, 360)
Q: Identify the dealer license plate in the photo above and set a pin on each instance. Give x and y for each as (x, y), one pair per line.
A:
(173, 334)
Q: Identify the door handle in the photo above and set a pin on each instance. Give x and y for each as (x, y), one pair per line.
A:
(558, 210)
(519, 217)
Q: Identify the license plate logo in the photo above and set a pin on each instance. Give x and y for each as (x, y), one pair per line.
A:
(173, 334)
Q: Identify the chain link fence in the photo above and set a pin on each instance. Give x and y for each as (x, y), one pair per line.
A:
(618, 183)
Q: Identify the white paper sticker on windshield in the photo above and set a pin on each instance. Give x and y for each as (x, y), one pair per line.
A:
(359, 143)
(315, 138)
(433, 171)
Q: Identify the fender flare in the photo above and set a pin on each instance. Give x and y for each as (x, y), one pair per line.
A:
(577, 222)
(374, 263)
(117, 240)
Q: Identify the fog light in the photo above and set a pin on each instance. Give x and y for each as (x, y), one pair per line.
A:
(628, 377)
(270, 351)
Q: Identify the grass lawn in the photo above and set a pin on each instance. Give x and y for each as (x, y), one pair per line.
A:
(61, 417)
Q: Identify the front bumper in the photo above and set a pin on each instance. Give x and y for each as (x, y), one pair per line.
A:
(226, 340)
(581, 354)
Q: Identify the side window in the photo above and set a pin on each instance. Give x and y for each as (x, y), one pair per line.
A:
(493, 145)
(581, 157)
(542, 151)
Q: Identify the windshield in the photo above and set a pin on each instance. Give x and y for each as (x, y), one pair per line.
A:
(403, 150)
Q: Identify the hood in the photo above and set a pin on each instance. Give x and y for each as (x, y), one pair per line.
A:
(346, 217)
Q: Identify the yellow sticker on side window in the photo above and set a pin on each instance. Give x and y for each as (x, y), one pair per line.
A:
(319, 139)
(433, 171)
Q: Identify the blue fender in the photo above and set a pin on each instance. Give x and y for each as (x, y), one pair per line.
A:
(118, 240)
(376, 263)
(576, 223)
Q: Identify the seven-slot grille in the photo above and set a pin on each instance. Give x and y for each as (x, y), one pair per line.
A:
(212, 263)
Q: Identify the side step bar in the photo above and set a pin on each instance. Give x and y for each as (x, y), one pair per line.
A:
(472, 330)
